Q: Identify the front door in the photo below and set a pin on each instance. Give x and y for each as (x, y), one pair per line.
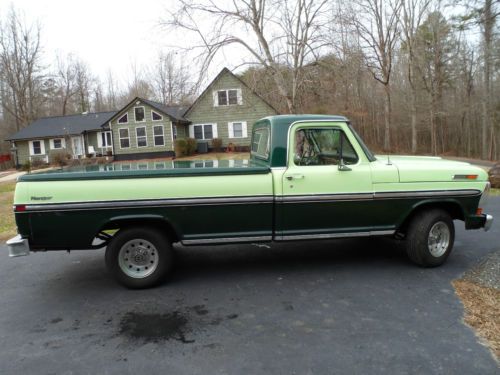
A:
(77, 146)
(325, 195)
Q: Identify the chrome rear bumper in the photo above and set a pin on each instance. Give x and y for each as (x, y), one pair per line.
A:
(488, 222)
(18, 246)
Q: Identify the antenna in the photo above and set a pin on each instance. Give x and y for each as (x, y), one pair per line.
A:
(389, 160)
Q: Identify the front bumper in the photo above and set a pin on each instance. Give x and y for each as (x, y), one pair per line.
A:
(18, 246)
(479, 221)
(488, 222)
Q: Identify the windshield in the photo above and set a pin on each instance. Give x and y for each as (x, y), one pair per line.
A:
(365, 148)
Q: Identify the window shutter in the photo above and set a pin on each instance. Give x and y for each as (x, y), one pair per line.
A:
(99, 139)
(31, 148)
(51, 144)
(244, 129)
(191, 131)
(216, 98)
(214, 131)
(240, 98)
(230, 130)
(63, 143)
(42, 146)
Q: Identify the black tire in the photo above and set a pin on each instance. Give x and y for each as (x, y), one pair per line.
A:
(154, 248)
(418, 236)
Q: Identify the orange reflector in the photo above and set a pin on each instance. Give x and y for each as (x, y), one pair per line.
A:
(471, 176)
(479, 211)
(20, 208)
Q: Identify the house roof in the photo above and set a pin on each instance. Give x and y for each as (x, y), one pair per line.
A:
(223, 71)
(175, 113)
(60, 126)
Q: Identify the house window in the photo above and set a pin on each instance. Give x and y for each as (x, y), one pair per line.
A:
(140, 134)
(174, 131)
(139, 114)
(155, 116)
(56, 143)
(237, 129)
(227, 97)
(37, 147)
(203, 131)
(158, 135)
(124, 138)
(123, 119)
(105, 139)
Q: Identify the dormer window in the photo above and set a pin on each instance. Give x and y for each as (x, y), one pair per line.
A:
(123, 119)
(155, 116)
(139, 114)
(227, 97)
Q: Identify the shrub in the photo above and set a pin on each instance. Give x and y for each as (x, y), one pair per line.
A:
(26, 166)
(180, 147)
(59, 158)
(37, 163)
(217, 144)
(191, 146)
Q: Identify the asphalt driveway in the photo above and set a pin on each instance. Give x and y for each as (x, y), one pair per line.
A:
(333, 307)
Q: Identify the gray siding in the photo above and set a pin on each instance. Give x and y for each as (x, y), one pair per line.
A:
(132, 125)
(252, 109)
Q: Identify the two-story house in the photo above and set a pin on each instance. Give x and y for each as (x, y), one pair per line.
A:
(226, 109)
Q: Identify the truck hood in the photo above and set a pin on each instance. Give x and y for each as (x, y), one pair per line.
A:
(431, 168)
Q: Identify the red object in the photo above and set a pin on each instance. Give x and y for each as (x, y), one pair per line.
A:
(4, 157)
(20, 208)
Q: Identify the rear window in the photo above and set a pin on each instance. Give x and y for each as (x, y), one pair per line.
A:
(260, 143)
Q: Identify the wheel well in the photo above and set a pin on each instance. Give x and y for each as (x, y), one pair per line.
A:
(158, 223)
(452, 208)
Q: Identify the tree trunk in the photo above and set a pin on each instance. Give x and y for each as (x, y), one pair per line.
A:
(413, 115)
(387, 118)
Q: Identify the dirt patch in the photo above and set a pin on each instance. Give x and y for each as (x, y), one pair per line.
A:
(479, 290)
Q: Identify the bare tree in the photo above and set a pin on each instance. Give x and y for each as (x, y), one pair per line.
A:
(20, 67)
(66, 80)
(279, 35)
(170, 79)
(376, 22)
(413, 12)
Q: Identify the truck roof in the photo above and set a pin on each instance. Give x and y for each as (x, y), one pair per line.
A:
(279, 126)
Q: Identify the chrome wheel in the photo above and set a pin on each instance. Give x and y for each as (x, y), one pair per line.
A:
(439, 239)
(138, 258)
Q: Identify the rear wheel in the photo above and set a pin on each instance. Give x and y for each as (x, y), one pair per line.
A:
(139, 257)
(430, 238)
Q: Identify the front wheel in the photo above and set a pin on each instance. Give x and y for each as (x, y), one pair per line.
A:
(430, 238)
(139, 257)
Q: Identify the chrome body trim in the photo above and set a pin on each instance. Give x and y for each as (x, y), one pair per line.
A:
(209, 241)
(150, 203)
(18, 246)
(336, 235)
(488, 222)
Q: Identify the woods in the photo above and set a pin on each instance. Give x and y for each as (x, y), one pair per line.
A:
(414, 76)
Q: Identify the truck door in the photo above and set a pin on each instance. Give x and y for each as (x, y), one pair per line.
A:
(327, 186)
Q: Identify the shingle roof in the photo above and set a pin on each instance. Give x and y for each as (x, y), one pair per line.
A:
(176, 112)
(63, 125)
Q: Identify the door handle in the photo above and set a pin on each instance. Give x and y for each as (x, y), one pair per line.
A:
(294, 177)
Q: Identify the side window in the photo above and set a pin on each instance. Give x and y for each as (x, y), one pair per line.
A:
(260, 143)
(322, 146)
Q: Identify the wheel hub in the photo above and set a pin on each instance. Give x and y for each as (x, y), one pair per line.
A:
(439, 239)
(138, 258)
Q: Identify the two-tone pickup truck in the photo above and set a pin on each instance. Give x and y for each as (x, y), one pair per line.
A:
(309, 177)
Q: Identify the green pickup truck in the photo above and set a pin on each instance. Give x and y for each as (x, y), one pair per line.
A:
(309, 177)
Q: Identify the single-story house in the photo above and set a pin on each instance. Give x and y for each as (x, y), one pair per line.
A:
(226, 109)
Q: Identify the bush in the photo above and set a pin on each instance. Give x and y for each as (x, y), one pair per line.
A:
(26, 166)
(59, 158)
(191, 146)
(37, 163)
(180, 147)
(217, 144)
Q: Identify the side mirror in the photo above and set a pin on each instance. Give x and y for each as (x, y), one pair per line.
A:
(343, 167)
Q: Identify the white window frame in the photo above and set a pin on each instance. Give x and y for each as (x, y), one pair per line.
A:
(120, 138)
(122, 116)
(52, 145)
(230, 129)
(161, 116)
(142, 136)
(42, 147)
(214, 131)
(162, 135)
(144, 109)
(239, 97)
(99, 139)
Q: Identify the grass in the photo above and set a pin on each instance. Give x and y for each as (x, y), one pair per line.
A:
(495, 192)
(482, 311)
(7, 223)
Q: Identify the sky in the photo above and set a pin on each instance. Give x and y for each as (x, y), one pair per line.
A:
(107, 34)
